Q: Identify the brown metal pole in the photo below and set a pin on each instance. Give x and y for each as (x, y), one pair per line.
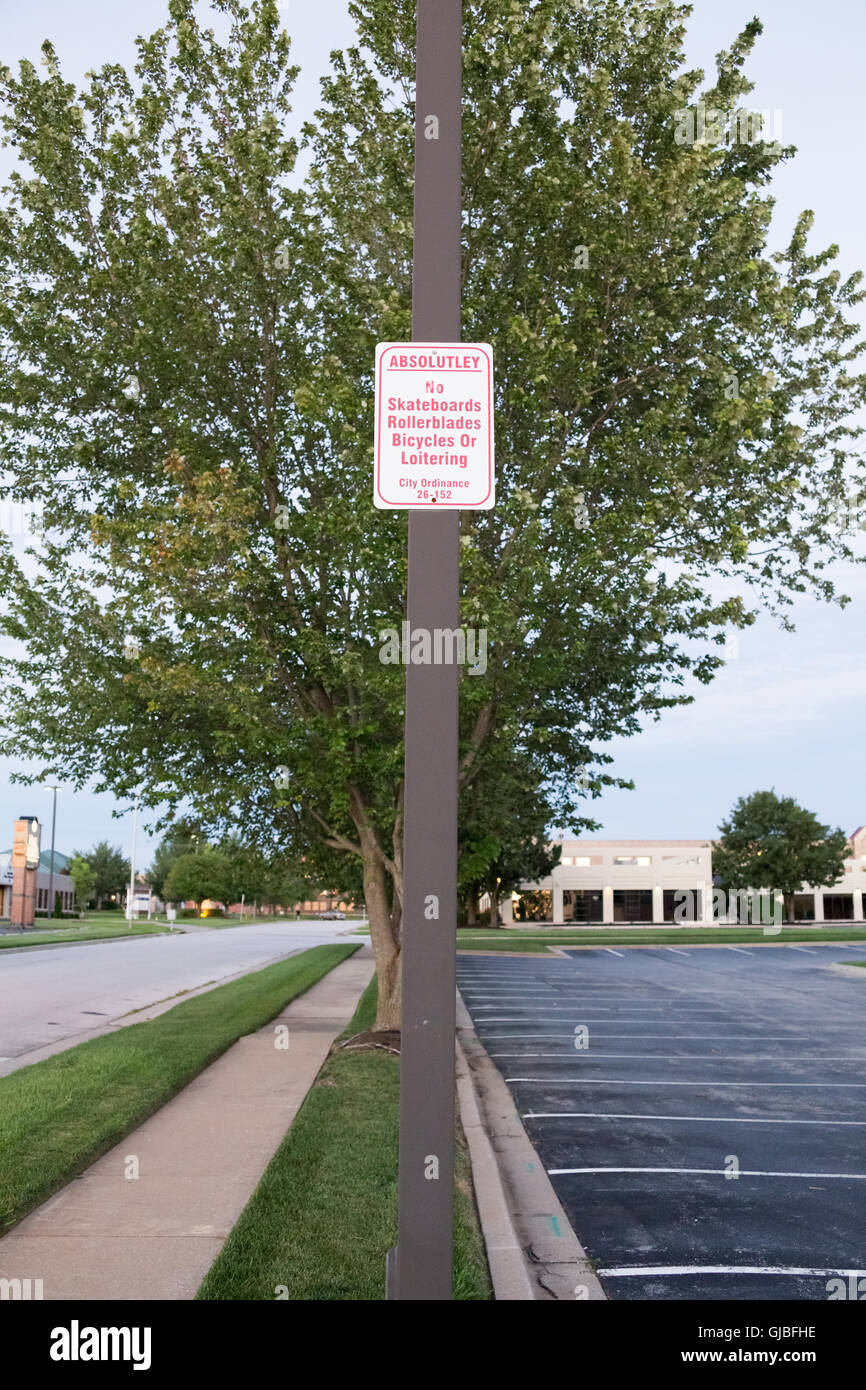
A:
(421, 1266)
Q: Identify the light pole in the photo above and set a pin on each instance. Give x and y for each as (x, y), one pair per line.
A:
(51, 861)
(132, 862)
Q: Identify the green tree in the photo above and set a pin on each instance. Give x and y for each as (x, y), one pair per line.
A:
(195, 877)
(186, 836)
(84, 878)
(503, 833)
(771, 842)
(286, 885)
(110, 870)
(247, 870)
(186, 351)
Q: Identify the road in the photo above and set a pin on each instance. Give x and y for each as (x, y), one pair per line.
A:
(64, 994)
(706, 1133)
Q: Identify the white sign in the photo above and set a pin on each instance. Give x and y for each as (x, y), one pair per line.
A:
(434, 426)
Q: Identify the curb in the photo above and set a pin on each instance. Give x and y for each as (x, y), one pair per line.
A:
(508, 1271)
(532, 1250)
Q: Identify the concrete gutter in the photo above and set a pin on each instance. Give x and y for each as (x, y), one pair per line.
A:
(532, 1250)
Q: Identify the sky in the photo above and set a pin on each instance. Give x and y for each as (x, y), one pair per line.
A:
(787, 712)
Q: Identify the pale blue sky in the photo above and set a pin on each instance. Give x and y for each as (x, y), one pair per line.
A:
(788, 712)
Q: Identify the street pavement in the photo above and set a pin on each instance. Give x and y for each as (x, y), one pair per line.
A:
(706, 1134)
(55, 997)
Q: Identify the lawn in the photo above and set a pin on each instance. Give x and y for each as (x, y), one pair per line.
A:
(86, 931)
(324, 1215)
(536, 940)
(57, 1116)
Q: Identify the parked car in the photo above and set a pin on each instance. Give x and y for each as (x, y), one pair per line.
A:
(334, 916)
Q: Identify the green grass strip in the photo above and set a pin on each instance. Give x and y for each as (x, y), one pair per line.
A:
(324, 1215)
(36, 936)
(536, 942)
(57, 1116)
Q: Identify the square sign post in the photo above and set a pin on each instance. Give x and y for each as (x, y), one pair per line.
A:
(434, 455)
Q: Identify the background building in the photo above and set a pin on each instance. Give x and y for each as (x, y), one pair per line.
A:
(637, 880)
(62, 882)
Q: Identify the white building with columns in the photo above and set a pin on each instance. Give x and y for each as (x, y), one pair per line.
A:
(643, 881)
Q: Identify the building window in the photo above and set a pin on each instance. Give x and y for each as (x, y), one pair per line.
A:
(632, 905)
(838, 907)
(582, 905)
(632, 860)
(687, 902)
(534, 906)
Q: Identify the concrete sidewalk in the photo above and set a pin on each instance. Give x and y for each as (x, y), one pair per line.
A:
(199, 1158)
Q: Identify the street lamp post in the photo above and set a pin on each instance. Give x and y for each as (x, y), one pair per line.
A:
(51, 860)
(129, 906)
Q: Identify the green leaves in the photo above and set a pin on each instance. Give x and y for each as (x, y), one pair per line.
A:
(772, 842)
(186, 352)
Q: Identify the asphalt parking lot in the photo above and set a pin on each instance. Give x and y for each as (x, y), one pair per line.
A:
(707, 1135)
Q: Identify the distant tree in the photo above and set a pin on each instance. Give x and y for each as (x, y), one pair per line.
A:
(84, 878)
(503, 837)
(772, 842)
(110, 869)
(199, 876)
(287, 884)
(247, 870)
(185, 837)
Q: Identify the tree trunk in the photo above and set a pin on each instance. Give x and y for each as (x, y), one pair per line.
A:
(385, 926)
(494, 907)
(471, 908)
(789, 903)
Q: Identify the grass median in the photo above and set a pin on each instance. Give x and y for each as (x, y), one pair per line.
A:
(43, 936)
(325, 1212)
(58, 1116)
(537, 941)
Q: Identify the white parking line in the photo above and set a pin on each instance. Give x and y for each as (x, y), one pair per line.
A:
(611, 952)
(676, 950)
(608, 1007)
(647, 1037)
(648, 1271)
(804, 949)
(505, 1018)
(740, 949)
(693, 1119)
(587, 1054)
(712, 1172)
(706, 1081)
